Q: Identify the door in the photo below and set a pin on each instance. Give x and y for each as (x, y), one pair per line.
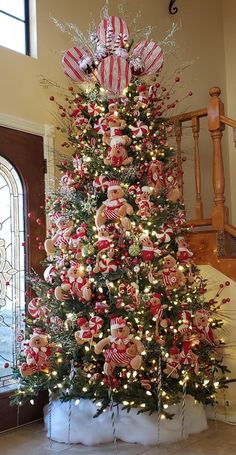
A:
(22, 219)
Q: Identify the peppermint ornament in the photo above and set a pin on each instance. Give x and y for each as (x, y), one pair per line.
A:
(122, 288)
(94, 109)
(165, 234)
(140, 129)
(137, 66)
(95, 324)
(101, 126)
(36, 309)
(146, 384)
(101, 183)
(108, 265)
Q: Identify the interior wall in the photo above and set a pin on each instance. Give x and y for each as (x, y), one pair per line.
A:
(22, 95)
(227, 333)
(229, 14)
(200, 33)
(201, 39)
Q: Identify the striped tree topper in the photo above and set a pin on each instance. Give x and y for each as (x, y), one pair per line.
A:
(70, 64)
(151, 54)
(110, 29)
(114, 74)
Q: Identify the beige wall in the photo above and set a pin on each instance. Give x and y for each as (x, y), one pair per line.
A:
(200, 35)
(229, 15)
(201, 38)
(228, 334)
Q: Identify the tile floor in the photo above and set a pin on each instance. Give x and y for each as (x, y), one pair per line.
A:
(219, 439)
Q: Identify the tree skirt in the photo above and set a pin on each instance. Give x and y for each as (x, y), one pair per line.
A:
(74, 423)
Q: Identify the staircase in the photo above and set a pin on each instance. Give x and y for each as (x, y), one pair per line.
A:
(213, 240)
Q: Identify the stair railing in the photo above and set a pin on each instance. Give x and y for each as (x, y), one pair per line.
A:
(216, 125)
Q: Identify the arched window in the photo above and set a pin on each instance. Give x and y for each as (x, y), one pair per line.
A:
(12, 267)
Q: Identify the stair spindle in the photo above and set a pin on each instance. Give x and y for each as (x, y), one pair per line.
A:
(178, 136)
(198, 203)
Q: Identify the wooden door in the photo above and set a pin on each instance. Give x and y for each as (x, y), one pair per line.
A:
(25, 152)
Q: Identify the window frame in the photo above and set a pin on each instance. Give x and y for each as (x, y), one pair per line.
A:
(17, 192)
(26, 22)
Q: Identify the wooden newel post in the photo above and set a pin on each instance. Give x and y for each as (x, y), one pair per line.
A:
(215, 110)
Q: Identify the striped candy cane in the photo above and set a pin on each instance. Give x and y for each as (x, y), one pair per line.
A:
(110, 28)
(69, 421)
(159, 383)
(109, 35)
(185, 380)
(120, 41)
(110, 394)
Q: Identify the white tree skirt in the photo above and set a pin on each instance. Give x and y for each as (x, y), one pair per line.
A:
(73, 423)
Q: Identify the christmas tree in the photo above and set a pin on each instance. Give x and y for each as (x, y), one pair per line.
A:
(120, 310)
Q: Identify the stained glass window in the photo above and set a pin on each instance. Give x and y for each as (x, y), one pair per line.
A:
(12, 268)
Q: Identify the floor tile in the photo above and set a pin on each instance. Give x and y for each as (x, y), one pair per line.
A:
(219, 439)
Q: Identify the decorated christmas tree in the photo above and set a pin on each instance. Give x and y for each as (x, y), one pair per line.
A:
(120, 313)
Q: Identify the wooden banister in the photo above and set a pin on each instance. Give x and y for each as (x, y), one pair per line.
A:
(215, 110)
(228, 121)
(199, 222)
(189, 115)
(216, 125)
(230, 229)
